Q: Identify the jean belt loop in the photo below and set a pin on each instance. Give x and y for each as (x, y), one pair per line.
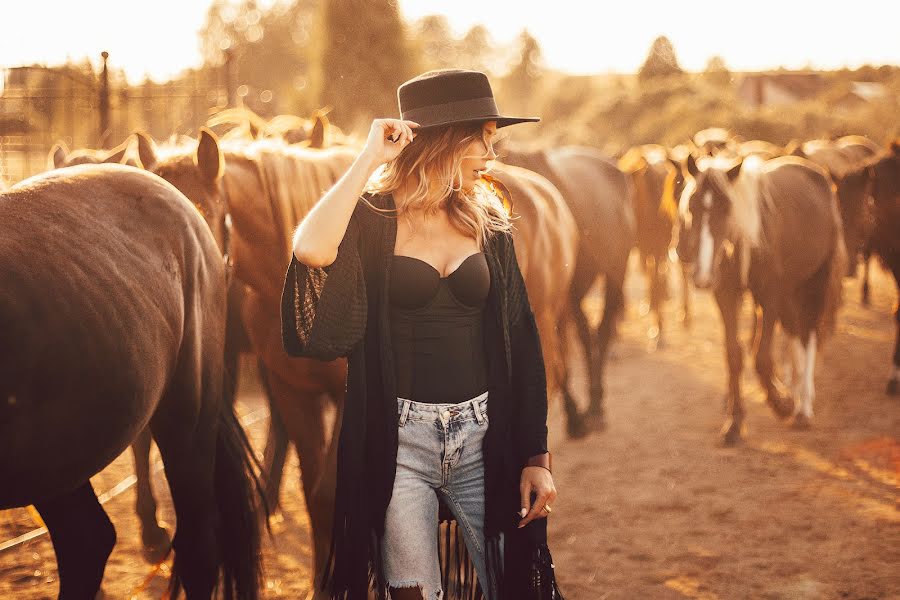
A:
(404, 412)
(477, 408)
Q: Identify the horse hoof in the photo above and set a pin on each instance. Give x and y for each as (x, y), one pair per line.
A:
(577, 427)
(156, 542)
(782, 407)
(595, 419)
(801, 422)
(731, 434)
(893, 387)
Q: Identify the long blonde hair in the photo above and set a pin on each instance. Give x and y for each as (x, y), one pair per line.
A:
(437, 155)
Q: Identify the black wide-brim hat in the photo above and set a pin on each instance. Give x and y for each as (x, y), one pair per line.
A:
(450, 96)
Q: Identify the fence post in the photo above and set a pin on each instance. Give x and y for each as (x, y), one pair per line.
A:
(104, 102)
(228, 65)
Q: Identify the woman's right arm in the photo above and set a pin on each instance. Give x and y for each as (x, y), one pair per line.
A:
(316, 240)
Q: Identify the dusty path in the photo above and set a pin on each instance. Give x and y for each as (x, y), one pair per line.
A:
(653, 507)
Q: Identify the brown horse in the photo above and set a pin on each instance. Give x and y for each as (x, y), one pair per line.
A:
(267, 186)
(772, 227)
(204, 165)
(598, 195)
(113, 312)
(657, 182)
(885, 239)
(546, 239)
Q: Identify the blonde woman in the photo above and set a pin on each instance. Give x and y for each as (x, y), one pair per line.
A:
(416, 282)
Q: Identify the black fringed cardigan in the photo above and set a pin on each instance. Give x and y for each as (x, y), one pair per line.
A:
(343, 310)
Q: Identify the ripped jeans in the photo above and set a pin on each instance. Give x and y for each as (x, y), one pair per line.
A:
(439, 452)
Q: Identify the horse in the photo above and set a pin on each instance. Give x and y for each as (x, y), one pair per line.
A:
(204, 164)
(544, 227)
(598, 195)
(60, 156)
(113, 312)
(884, 172)
(657, 182)
(772, 227)
(267, 186)
(842, 159)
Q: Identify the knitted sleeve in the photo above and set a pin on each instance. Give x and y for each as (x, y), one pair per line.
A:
(323, 310)
(529, 378)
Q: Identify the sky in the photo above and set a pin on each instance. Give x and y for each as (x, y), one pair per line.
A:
(159, 38)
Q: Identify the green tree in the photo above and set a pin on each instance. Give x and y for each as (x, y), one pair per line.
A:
(522, 81)
(435, 43)
(661, 61)
(364, 57)
(717, 72)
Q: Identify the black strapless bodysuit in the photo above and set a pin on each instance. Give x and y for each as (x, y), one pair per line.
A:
(437, 329)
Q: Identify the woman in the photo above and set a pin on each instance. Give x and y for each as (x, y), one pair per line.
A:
(419, 287)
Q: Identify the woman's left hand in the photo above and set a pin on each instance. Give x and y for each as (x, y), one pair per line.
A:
(540, 481)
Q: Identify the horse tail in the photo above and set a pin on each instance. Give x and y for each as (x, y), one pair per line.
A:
(837, 269)
(241, 502)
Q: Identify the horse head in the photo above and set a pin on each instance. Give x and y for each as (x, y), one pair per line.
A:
(708, 230)
(197, 173)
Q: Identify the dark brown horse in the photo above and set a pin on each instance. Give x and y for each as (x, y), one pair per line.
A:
(842, 158)
(112, 311)
(599, 196)
(773, 228)
(885, 239)
(267, 186)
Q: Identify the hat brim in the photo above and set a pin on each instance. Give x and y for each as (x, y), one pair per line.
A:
(501, 121)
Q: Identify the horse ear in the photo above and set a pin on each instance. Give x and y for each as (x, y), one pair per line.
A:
(794, 148)
(734, 171)
(317, 135)
(692, 166)
(146, 151)
(117, 154)
(895, 147)
(58, 155)
(209, 157)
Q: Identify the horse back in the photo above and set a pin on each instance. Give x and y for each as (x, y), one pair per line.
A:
(802, 223)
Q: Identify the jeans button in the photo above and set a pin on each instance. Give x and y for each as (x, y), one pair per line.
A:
(446, 415)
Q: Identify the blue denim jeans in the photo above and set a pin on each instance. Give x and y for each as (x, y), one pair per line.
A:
(439, 452)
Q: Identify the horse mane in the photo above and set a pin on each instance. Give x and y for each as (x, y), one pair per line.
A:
(289, 180)
(748, 193)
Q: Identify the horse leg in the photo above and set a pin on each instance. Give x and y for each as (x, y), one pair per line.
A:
(579, 288)
(729, 301)
(657, 298)
(576, 425)
(83, 538)
(893, 385)
(612, 306)
(804, 383)
(866, 255)
(154, 538)
(277, 445)
(687, 313)
(776, 400)
(303, 417)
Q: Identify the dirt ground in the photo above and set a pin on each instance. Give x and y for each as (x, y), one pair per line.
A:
(653, 507)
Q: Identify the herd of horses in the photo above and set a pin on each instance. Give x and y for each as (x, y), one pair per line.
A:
(130, 293)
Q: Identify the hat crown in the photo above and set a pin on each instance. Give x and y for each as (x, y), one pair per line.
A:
(448, 96)
(443, 86)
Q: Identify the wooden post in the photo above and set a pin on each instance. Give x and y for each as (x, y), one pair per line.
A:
(104, 103)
